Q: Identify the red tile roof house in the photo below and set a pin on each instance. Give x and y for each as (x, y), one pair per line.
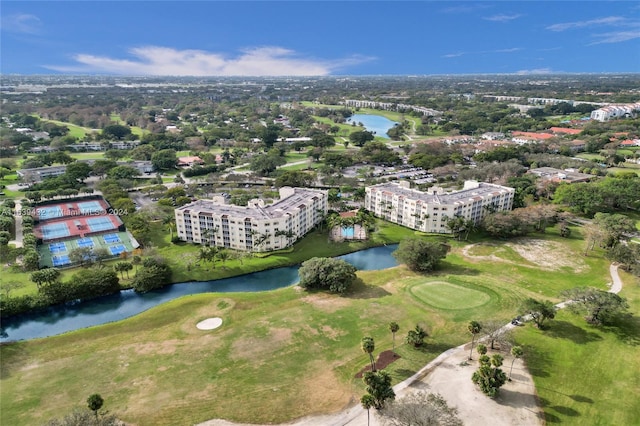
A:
(189, 161)
(630, 142)
(566, 131)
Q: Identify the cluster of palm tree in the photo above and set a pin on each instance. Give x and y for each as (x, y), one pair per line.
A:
(213, 254)
(362, 218)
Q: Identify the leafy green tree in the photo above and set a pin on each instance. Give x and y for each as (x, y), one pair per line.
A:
(504, 225)
(165, 159)
(295, 178)
(155, 273)
(490, 376)
(474, 328)
(421, 409)
(393, 328)
(516, 352)
(600, 307)
(614, 226)
(539, 310)
(419, 254)
(46, 276)
(116, 131)
(95, 402)
(78, 170)
(360, 137)
(264, 165)
(123, 172)
(368, 346)
(331, 274)
(379, 387)
(30, 260)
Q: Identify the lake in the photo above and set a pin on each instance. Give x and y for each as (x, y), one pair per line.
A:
(63, 318)
(376, 124)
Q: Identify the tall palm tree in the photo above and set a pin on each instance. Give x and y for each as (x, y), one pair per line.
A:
(474, 328)
(517, 352)
(393, 328)
(170, 222)
(368, 346)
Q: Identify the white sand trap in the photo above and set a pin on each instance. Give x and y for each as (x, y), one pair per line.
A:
(209, 324)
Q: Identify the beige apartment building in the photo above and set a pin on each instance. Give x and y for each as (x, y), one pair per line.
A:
(429, 211)
(256, 227)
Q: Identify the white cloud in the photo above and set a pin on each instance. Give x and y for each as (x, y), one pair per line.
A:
(453, 55)
(157, 60)
(609, 20)
(616, 36)
(22, 23)
(482, 52)
(502, 17)
(535, 71)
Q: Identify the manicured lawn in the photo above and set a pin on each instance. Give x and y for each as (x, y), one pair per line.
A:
(75, 131)
(585, 374)
(293, 353)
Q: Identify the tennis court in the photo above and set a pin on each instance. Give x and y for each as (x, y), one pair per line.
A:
(88, 207)
(115, 250)
(55, 230)
(85, 242)
(60, 260)
(52, 212)
(111, 238)
(57, 247)
(98, 224)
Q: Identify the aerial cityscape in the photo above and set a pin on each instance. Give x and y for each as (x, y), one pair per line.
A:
(319, 213)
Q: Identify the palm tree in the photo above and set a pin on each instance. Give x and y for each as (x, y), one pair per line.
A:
(170, 222)
(209, 235)
(279, 234)
(289, 235)
(367, 401)
(368, 346)
(517, 352)
(474, 328)
(224, 255)
(393, 328)
(262, 238)
(136, 261)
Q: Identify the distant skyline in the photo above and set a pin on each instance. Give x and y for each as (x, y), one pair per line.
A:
(317, 38)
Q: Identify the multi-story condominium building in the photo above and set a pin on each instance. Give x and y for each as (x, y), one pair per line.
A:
(429, 211)
(256, 227)
(615, 111)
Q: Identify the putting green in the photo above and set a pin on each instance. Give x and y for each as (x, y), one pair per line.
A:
(444, 295)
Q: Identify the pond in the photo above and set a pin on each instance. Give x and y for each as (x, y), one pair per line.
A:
(64, 318)
(376, 124)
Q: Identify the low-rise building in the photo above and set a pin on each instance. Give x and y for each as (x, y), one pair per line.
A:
(255, 227)
(429, 211)
(559, 175)
(38, 174)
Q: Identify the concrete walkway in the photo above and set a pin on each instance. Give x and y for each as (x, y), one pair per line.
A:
(18, 224)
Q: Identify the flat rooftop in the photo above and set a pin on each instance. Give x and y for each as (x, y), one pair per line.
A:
(483, 189)
(280, 208)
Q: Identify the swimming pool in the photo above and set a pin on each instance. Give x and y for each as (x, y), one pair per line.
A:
(348, 232)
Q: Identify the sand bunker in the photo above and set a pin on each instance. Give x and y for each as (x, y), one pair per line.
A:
(209, 324)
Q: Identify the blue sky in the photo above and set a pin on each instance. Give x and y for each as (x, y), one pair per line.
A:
(318, 37)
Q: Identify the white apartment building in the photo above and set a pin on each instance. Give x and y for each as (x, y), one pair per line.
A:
(615, 111)
(256, 227)
(429, 211)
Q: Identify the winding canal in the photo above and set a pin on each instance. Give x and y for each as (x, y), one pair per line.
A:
(64, 318)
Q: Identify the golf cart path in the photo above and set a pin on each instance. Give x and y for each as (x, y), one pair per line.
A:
(450, 375)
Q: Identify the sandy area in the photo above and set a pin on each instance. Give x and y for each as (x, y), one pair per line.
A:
(209, 324)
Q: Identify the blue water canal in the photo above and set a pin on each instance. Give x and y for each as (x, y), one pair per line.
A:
(376, 124)
(61, 319)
